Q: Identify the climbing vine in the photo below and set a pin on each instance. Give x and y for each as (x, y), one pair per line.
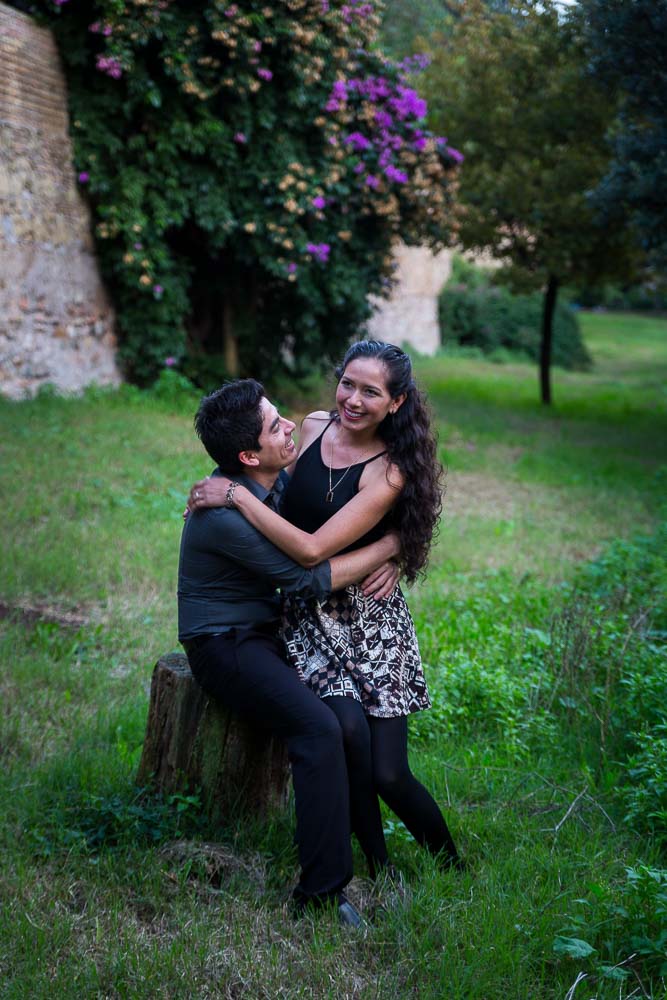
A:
(249, 166)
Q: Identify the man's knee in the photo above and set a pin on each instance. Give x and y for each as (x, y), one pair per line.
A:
(323, 733)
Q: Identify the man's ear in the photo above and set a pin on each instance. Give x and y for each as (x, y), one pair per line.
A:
(250, 458)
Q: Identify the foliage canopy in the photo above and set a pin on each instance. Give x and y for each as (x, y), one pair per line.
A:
(513, 87)
(249, 166)
(621, 35)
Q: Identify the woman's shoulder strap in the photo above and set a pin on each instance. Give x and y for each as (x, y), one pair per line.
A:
(322, 417)
(369, 460)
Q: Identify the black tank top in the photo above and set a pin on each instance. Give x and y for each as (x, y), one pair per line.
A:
(304, 501)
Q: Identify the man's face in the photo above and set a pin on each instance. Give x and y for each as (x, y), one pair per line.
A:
(277, 448)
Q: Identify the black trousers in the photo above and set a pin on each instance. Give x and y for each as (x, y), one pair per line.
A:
(245, 670)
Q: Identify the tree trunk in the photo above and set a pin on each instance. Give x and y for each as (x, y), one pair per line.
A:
(230, 340)
(547, 338)
(192, 743)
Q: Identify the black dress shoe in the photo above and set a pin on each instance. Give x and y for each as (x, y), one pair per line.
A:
(348, 915)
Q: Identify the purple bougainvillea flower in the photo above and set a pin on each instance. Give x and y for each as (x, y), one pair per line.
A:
(84, 177)
(319, 202)
(320, 251)
(138, 246)
(394, 174)
(170, 362)
(291, 267)
(110, 66)
(95, 27)
(158, 291)
(359, 169)
(240, 137)
(256, 46)
(265, 74)
(372, 181)
(59, 3)
(358, 141)
(232, 11)
(107, 30)
(408, 104)
(455, 154)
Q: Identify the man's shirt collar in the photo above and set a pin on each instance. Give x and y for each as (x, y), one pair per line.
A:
(270, 497)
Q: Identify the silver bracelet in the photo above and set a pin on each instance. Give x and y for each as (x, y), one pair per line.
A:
(229, 495)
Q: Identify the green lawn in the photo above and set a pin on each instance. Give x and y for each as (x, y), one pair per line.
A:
(102, 896)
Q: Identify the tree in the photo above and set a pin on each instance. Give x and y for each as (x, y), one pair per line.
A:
(513, 89)
(249, 165)
(626, 55)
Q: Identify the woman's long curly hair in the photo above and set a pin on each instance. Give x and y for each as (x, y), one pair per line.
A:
(411, 446)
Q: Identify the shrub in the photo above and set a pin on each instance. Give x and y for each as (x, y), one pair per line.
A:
(249, 166)
(492, 318)
(621, 927)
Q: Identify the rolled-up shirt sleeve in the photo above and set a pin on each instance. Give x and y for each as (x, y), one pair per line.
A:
(230, 535)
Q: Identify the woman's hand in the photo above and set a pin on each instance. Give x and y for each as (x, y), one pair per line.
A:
(381, 583)
(209, 492)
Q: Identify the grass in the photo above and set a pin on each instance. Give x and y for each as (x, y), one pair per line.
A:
(102, 897)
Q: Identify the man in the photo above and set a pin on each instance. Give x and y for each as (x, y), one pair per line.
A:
(228, 610)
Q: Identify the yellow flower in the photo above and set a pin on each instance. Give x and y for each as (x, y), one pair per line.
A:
(144, 280)
(250, 227)
(291, 205)
(345, 235)
(128, 258)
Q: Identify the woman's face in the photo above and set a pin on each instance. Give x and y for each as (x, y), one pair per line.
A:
(362, 397)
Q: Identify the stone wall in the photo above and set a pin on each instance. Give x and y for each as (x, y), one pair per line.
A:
(56, 323)
(410, 315)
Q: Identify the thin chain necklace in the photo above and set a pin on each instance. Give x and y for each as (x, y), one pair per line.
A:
(330, 494)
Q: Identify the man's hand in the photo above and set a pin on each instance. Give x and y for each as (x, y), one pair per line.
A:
(381, 583)
(207, 493)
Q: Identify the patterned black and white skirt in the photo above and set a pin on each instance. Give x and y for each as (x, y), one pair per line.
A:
(357, 647)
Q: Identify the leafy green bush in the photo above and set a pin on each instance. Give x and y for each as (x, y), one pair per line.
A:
(648, 295)
(249, 166)
(608, 664)
(90, 822)
(493, 319)
(617, 928)
(645, 794)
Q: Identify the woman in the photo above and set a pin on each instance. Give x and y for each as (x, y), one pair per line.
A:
(367, 467)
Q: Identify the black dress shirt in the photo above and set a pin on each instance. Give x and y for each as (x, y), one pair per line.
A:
(228, 572)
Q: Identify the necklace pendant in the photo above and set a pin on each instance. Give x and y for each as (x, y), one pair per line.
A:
(329, 497)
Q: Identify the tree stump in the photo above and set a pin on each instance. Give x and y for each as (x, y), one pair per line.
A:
(193, 743)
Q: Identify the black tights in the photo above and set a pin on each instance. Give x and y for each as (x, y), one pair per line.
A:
(376, 751)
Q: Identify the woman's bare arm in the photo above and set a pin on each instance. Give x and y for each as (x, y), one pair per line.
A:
(350, 523)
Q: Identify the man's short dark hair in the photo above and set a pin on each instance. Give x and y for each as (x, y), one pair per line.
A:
(230, 421)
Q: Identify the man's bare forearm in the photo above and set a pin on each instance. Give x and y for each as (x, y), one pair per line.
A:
(352, 567)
